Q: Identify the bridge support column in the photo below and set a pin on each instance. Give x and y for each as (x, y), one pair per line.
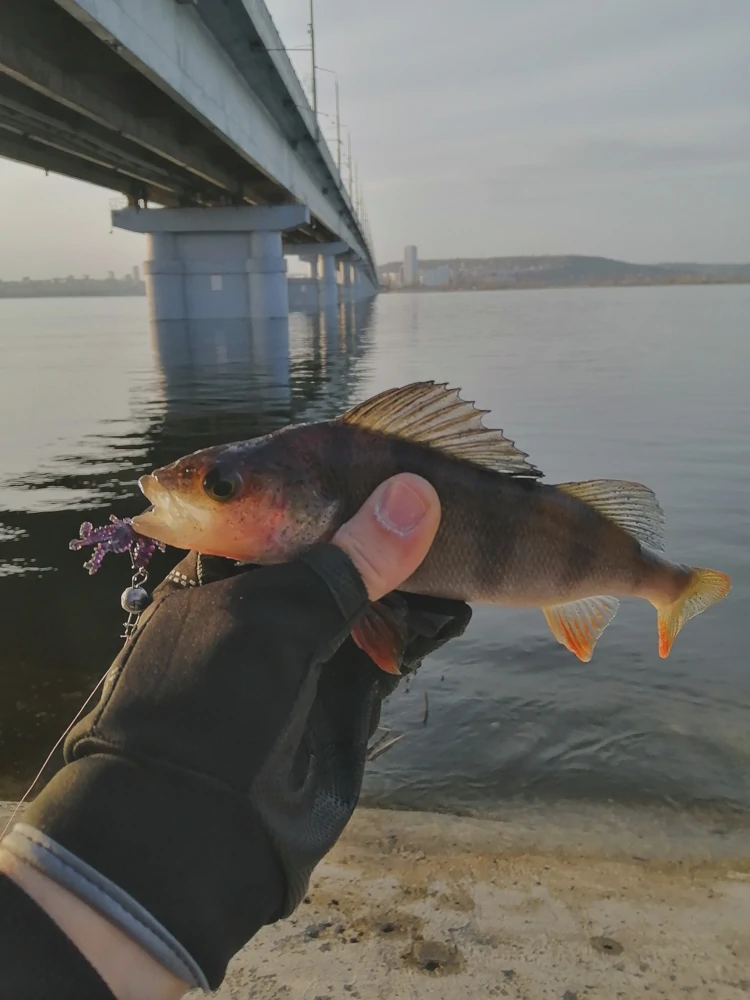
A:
(357, 283)
(362, 287)
(345, 280)
(303, 292)
(323, 268)
(215, 263)
(329, 290)
(267, 287)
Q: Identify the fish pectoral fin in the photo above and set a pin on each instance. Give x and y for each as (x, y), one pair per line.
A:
(631, 506)
(436, 416)
(382, 634)
(578, 624)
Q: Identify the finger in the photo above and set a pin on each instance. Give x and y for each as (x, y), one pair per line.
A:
(390, 535)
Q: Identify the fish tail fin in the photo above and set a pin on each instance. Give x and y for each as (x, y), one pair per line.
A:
(704, 588)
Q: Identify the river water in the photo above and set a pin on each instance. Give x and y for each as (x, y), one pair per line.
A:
(651, 384)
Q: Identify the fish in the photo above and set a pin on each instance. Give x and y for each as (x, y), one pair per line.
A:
(505, 537)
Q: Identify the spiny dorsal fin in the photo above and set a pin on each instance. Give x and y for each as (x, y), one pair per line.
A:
(632, 506)
(578, 624)
(436, 416)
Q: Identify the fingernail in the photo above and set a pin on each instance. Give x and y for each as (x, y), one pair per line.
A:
(400, 509)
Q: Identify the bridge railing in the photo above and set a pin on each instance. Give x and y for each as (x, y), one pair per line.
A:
(264, 25)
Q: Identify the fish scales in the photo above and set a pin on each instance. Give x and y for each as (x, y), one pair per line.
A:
(501, 539)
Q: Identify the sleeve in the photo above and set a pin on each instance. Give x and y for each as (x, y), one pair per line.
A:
(155, 820)
(37, 960)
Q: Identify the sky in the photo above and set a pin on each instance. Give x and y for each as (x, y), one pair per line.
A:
(492, 127)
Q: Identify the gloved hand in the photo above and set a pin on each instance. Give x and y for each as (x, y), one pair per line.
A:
(225, 756)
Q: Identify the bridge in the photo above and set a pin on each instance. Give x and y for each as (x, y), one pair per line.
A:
(194, 106)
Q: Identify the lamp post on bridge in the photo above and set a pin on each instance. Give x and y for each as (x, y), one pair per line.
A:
(335, 76)
(356, 202)
(351, 181)
(311, 28)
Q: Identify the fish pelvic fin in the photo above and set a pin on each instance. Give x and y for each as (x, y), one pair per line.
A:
(578, 624)
(382, 634)
(436, 416)
(704, 588)
(631, 506)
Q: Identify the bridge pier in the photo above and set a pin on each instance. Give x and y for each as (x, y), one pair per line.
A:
(215, 263)
(329, 291)
(266, 268)
(322, 258)
(361, 287)
(345, 280)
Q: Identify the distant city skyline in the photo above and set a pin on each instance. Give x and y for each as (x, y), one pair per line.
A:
(132, 273)
(457, 274)
(618, 128)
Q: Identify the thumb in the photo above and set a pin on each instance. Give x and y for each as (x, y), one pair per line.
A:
(389, 536)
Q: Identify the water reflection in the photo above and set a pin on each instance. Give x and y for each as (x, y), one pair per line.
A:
(209, 383)
(611, 383)
(194, 347)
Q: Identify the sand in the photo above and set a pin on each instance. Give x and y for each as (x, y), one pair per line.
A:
(416, 905)
(413, 905)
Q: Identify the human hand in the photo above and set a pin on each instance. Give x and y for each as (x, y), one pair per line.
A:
(226, 754)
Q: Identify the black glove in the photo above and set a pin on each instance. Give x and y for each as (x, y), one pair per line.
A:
(225, 757)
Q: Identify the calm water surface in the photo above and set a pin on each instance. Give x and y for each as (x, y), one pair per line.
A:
(645, 384)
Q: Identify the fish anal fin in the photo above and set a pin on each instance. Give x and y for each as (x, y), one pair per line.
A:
(381, 633)
(578, 624)
(631, 506)
(436, 416)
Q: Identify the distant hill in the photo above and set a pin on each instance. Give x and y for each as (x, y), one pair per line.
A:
(729, 271)
(564, 271)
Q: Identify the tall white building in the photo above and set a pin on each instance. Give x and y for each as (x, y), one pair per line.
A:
(411, 266)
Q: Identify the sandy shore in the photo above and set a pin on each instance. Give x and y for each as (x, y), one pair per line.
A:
(416, 905)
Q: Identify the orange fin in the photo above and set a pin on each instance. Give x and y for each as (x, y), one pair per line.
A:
(706, 587)
(381, 633)
(578, 624)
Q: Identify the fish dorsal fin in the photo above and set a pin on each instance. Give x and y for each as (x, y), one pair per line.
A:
(632, 506)
(436, 416)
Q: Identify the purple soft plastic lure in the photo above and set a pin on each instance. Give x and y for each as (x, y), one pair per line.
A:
(117, 536)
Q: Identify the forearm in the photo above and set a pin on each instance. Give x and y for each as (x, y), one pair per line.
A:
(104, 963)
(222, 762)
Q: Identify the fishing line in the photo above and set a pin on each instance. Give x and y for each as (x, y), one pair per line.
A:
(52, 752)
(117, 537)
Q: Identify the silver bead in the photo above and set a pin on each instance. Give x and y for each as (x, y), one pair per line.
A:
(134, 600)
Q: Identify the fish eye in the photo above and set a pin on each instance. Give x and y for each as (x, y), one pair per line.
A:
(220, 484)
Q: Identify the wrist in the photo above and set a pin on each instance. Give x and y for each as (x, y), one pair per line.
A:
(158, 854)
(127, 969)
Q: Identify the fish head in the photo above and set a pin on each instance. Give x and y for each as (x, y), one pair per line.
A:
(256, 501)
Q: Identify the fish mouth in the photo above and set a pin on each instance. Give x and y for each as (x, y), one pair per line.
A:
(151, 488)
(167, 514)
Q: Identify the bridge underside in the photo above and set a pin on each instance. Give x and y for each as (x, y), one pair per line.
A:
(72, 103)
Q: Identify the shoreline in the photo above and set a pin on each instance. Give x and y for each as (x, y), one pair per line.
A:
(385, 290)
(664, 832)
(537, 287)
(427, 905)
